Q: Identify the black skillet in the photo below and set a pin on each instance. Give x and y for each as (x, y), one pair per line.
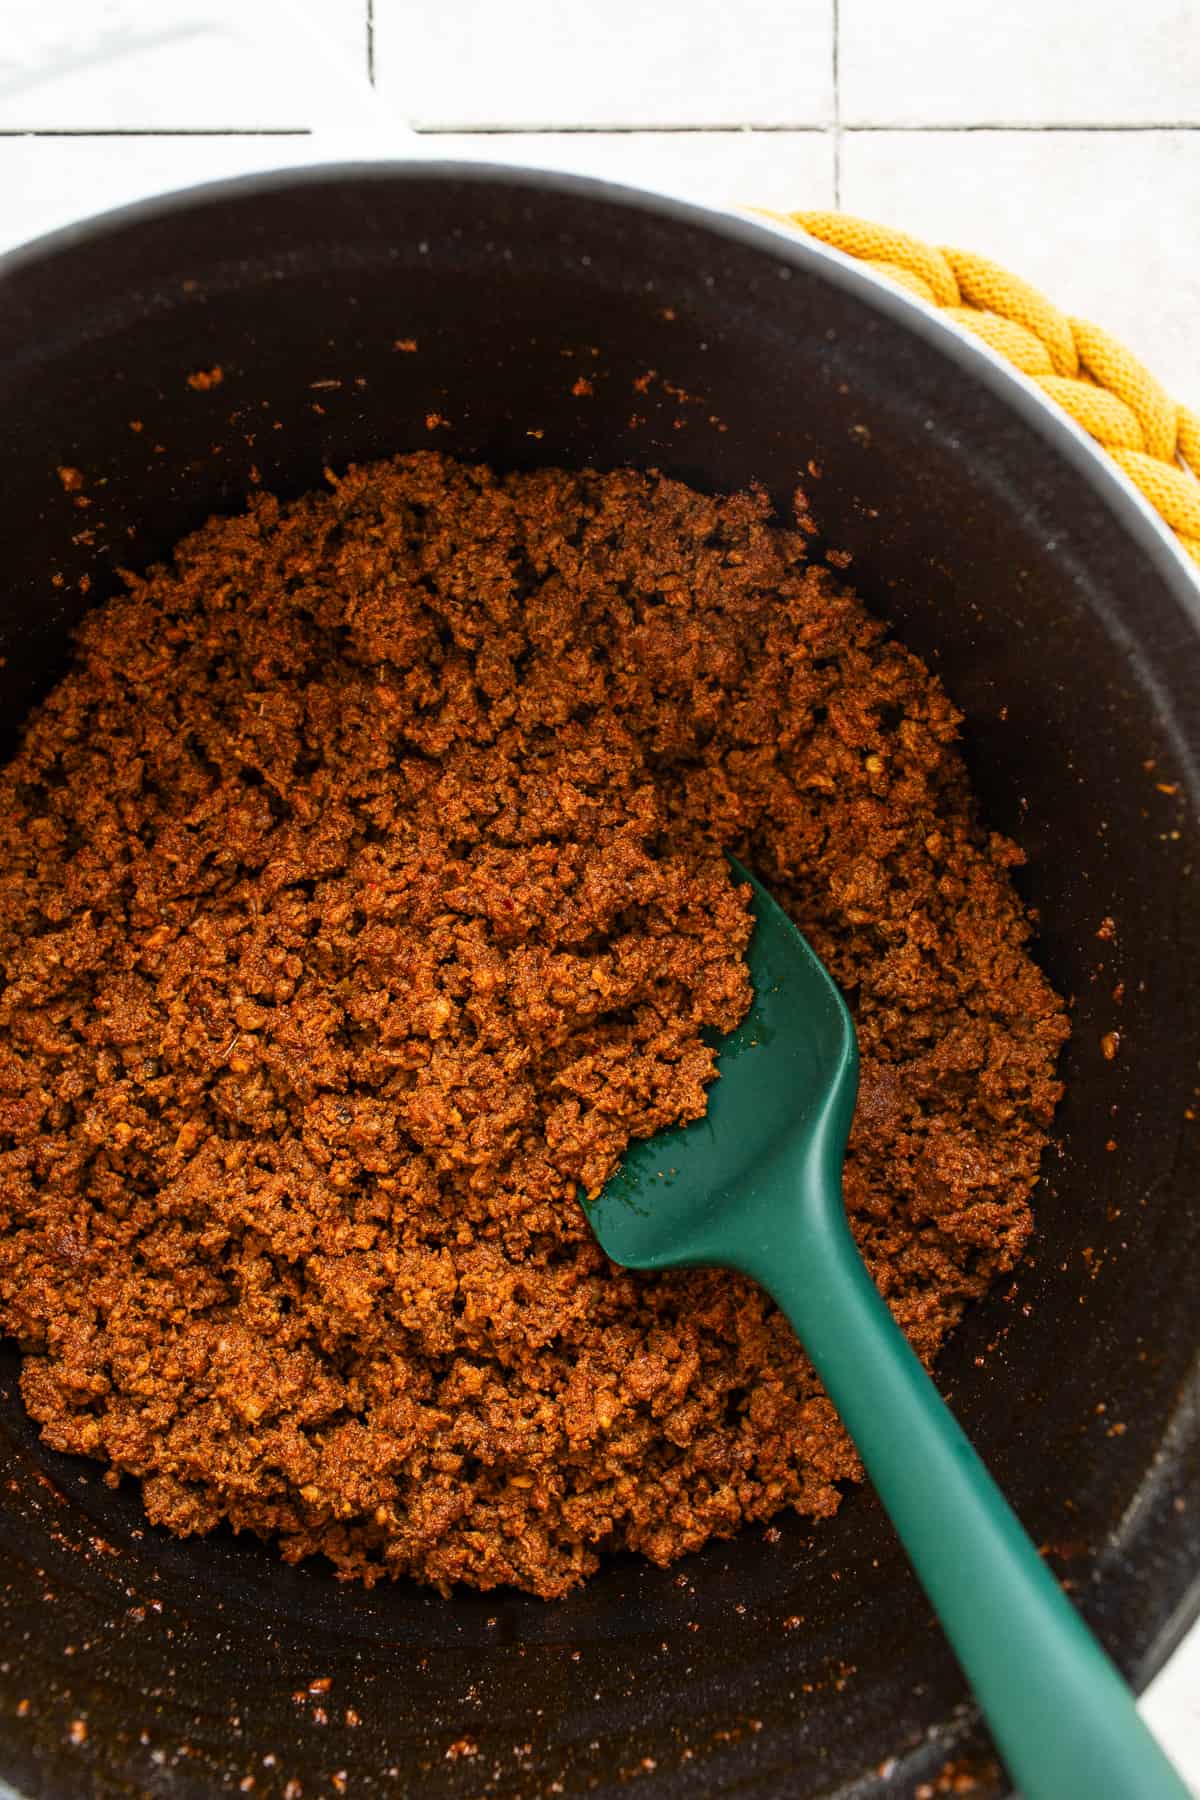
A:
(798, 1661)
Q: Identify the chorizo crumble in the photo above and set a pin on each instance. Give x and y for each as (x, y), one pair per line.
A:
(363, 895)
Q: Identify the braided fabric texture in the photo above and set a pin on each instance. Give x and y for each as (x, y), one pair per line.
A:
(1088, 374)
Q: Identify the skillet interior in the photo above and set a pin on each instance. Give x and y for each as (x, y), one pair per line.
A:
(1058, 620)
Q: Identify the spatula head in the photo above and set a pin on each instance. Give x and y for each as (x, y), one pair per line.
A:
(709, 1192)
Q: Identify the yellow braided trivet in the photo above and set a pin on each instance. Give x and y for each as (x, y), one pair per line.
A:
(1092, 377)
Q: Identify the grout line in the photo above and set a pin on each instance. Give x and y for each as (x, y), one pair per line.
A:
(371, 42)
(832, 128)
(828, 127)
(157, 131)
(837, 106)
(1015, 128)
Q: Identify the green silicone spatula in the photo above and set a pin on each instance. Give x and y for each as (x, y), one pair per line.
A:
(756, 1185)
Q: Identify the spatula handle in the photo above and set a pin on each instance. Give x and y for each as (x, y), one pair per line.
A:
(1062, 1717)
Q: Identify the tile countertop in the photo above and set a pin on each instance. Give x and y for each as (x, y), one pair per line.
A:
(1071, 154)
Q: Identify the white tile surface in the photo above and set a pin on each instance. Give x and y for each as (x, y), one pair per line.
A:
(1105, 222)
(1171, 1707)
(47, 182)
(926, 62)
(544, 63)
(178, 64)
(719, 168)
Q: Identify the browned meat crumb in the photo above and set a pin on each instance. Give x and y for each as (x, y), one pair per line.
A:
(362, 894)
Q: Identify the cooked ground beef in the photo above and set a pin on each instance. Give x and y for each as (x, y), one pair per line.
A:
(362, 896)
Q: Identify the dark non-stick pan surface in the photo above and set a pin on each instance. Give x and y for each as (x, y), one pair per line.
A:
(798, 1661)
